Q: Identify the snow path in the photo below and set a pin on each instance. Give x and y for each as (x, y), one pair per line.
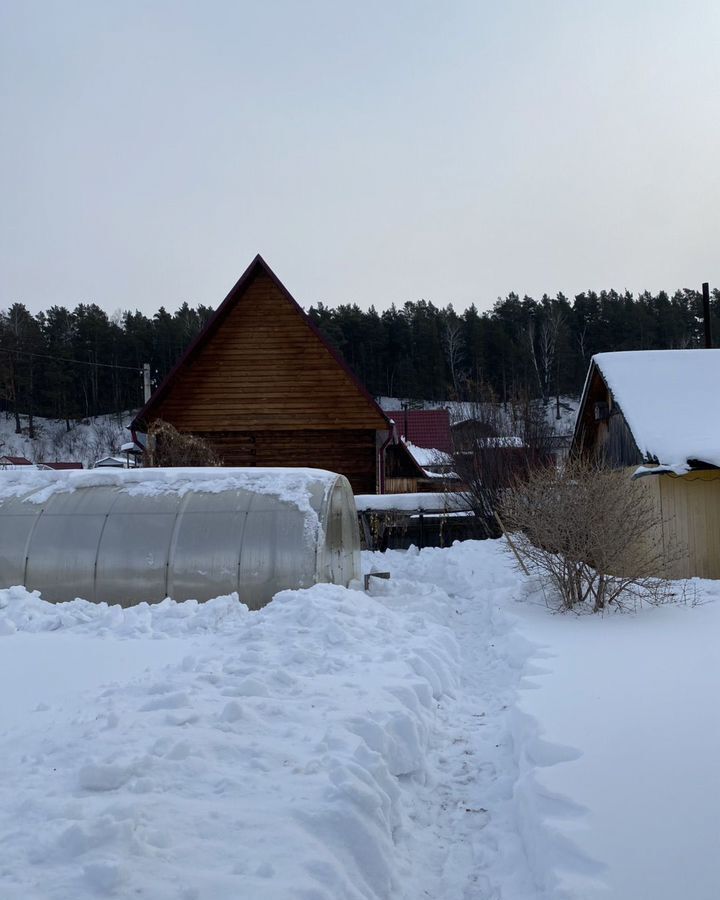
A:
(489, 824)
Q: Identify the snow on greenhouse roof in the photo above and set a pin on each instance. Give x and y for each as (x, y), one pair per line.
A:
(288, 485)
(669, 399)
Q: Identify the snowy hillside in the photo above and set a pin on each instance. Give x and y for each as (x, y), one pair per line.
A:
(460, 410)
(443, 737)
(86, 442)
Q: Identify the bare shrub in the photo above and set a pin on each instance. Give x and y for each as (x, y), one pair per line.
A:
(169, 447)
(591, 533)
(494, 447)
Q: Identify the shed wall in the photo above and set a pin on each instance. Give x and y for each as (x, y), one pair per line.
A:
(689, 530)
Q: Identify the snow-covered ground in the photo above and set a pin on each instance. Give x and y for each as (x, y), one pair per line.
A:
(445, 736)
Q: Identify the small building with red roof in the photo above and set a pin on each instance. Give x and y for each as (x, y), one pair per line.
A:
(14, 462)
(61, 466)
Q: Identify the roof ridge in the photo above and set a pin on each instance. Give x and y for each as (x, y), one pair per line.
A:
(216, 319)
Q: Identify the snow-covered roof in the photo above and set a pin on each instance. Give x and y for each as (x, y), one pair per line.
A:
(110, 462)
(427, 502)
(427, 456)
(504, 441)
(423, 427)
(669, 399)
(15, 461)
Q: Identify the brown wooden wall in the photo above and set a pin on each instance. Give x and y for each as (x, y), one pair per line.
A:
(351, 453)
(609, 440)
(264, 369)
(265, 390)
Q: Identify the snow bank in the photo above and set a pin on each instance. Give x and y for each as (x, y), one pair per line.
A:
(635, 695)
(272, 761)
(26, 611)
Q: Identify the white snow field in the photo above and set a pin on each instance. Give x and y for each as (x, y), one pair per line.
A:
(444, 737)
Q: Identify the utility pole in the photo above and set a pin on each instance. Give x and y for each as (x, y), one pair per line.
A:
(706, 315)
(147, 390)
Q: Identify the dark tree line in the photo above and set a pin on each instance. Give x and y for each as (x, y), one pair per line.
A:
(519, 348)
(73, 364)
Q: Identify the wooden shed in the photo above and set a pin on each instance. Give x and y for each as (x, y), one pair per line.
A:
(264, 387)
(654, 413)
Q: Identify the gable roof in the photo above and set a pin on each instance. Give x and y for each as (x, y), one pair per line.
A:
(16, 460)
(669, 400)
(257, 267)
(61, 466)
(428, 428)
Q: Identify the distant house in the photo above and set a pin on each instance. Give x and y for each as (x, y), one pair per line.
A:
(14, 462)
(656, 412)
(262, 385)
(111, 462)
(134, 453)
(424, 428)
(62, 466)
(421, 458)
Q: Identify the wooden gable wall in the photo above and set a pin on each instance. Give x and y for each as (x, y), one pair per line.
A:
(610, 439)
(265, 390)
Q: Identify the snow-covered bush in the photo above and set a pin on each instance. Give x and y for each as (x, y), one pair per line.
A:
(589, 531)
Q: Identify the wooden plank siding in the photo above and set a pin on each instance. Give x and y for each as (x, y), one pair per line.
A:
(689, 526)
(265, 389)
(609, 440)
(352, 453)
(265, 369)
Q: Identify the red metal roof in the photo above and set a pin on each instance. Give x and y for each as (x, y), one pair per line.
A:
(17, 460)
(424, 427)
(63, 465)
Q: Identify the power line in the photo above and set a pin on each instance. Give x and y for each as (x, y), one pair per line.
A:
(76, 362)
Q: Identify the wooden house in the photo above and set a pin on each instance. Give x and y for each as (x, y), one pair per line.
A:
(420, 459)
(265, 388)
(654, 413)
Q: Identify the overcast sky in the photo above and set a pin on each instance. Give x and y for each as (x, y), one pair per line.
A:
(373, 152)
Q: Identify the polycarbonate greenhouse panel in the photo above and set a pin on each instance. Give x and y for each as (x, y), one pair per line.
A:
(16, 526)
(180, 533)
